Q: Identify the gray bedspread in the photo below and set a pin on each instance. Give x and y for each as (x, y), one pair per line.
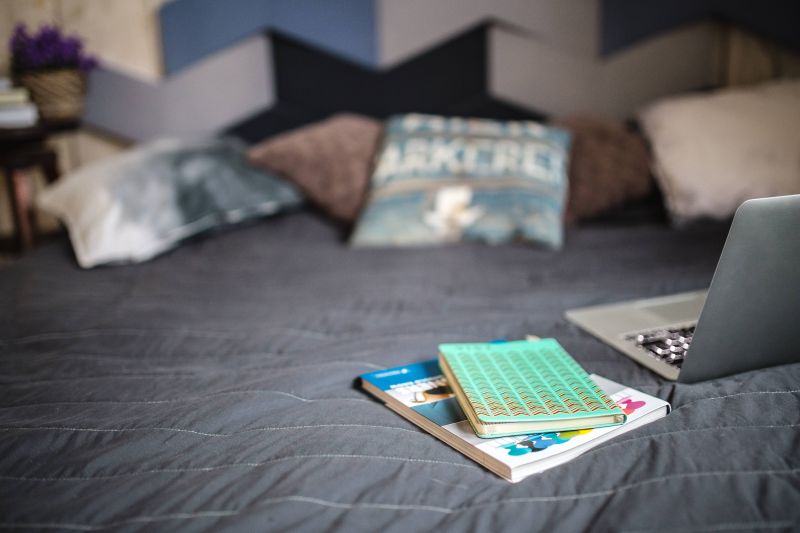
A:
(213, 388)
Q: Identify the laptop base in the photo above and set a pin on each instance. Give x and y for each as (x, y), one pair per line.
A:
(620, 323)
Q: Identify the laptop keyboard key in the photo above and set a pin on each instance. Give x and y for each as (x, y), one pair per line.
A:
(668, 345)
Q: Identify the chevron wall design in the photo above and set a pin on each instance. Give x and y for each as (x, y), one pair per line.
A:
(450, 79)
(256, 67)
(227, 87)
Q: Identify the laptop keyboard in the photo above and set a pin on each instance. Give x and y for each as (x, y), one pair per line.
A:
(668, 344)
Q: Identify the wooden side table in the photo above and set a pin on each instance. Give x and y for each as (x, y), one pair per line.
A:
(21, 150)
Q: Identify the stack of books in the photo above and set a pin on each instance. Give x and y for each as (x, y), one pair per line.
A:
(16, 108)
(517, 407)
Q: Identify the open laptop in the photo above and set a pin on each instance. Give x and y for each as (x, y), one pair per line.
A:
(749, 318)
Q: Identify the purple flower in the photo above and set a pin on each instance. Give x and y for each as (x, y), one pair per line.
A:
(47, 49)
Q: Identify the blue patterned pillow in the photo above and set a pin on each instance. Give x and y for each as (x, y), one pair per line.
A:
(440, 180)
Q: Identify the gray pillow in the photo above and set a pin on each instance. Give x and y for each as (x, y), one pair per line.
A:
(131, 207)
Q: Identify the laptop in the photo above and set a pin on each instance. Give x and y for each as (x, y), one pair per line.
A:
(749, 317)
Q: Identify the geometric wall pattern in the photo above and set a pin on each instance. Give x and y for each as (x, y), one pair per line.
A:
(311, 84)
(255, 67)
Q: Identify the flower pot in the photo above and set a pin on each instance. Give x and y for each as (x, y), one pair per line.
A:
(58, 94)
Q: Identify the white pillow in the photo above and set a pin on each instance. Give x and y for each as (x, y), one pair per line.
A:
(136, 205)
(716, 150)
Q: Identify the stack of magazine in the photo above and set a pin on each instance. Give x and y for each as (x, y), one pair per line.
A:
(525, 385)
(16, 108)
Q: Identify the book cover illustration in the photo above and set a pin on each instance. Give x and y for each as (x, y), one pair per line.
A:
(423, 388)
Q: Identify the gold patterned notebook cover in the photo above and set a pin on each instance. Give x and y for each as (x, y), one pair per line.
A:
(518, 387)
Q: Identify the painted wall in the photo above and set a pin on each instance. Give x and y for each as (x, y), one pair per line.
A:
(124, 33)
(545, 56)
(205, 66)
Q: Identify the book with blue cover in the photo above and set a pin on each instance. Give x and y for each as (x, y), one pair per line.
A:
(517, 387)
(420, 393)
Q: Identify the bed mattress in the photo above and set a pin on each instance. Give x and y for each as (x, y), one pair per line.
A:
(213, 388)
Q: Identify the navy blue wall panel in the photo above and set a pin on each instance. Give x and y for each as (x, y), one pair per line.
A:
(624, 22)
(311, 84)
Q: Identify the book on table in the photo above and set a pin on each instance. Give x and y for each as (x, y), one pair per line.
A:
(18, 115)
(16, 110)
(14, 95)
(511, 388)
(420, 393)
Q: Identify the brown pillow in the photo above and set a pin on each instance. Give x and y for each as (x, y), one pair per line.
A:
(330, 161)
(609, 166)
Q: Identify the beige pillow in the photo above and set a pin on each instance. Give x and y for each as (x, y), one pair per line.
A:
(330, 161)
(714, 151)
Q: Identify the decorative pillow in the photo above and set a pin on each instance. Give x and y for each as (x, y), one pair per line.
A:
(131, 207)
(442, 180)
(714, 151)
(329, 161)
(609, 165)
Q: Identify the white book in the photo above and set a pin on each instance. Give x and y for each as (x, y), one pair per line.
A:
(18, 115)
(14, 95)
(419, 393)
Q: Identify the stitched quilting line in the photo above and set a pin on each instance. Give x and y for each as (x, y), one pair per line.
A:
(189, 399)
(387, 506)
(218, 514)
(216, 372)
(202, 469)
(316, 335)
(250, 465)
(793, 391)
(446, 484)
(731, 526)
(602, 448)
(203, 433)
(728, 526)
(85, 333)
(622, 488)
(124, 375)
(69, 355)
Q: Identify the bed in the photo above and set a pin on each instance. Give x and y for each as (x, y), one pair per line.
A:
(214, 388)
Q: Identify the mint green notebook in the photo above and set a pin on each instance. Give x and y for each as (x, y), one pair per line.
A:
(519, 387)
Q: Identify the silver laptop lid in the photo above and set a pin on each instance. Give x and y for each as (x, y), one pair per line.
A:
(751, 318)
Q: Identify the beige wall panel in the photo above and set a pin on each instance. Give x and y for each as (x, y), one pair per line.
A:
(124, 33)
(681, 60)
(83, 147)
(407, 27)
(93, 146)
(32, 12)
(533, 74)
